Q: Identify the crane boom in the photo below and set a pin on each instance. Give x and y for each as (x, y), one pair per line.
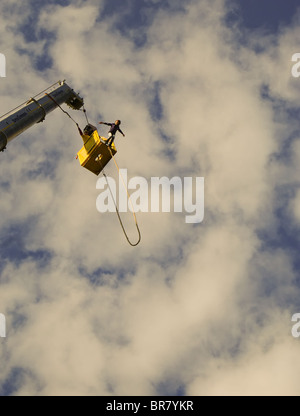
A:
(35, 110)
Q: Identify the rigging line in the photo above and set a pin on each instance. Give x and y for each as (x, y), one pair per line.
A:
(60, 107)
(85, 113)
(133, 212)
(84, 110)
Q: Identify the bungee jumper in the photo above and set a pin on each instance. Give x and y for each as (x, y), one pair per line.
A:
(114, 127)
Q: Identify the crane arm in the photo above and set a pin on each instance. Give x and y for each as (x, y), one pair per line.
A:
(13, 123)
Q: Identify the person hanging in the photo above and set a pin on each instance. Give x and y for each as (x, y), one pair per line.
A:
(114, 127)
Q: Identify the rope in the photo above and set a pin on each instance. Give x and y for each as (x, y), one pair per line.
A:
(119, 217)
(64, 111)
(85, 113)
(133, 212)
(61, 108)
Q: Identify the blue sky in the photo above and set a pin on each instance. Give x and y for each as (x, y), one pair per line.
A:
(267, 14)
(204, 89)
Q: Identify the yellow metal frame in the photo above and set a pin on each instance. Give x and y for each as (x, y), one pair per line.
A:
(95, 155)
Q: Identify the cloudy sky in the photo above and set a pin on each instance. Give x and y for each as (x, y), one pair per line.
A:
(204, 89)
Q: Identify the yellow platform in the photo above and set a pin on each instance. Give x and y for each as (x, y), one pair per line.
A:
(95, 154)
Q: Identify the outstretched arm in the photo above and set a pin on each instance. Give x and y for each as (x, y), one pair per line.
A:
(108, 124)
(121, 132)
